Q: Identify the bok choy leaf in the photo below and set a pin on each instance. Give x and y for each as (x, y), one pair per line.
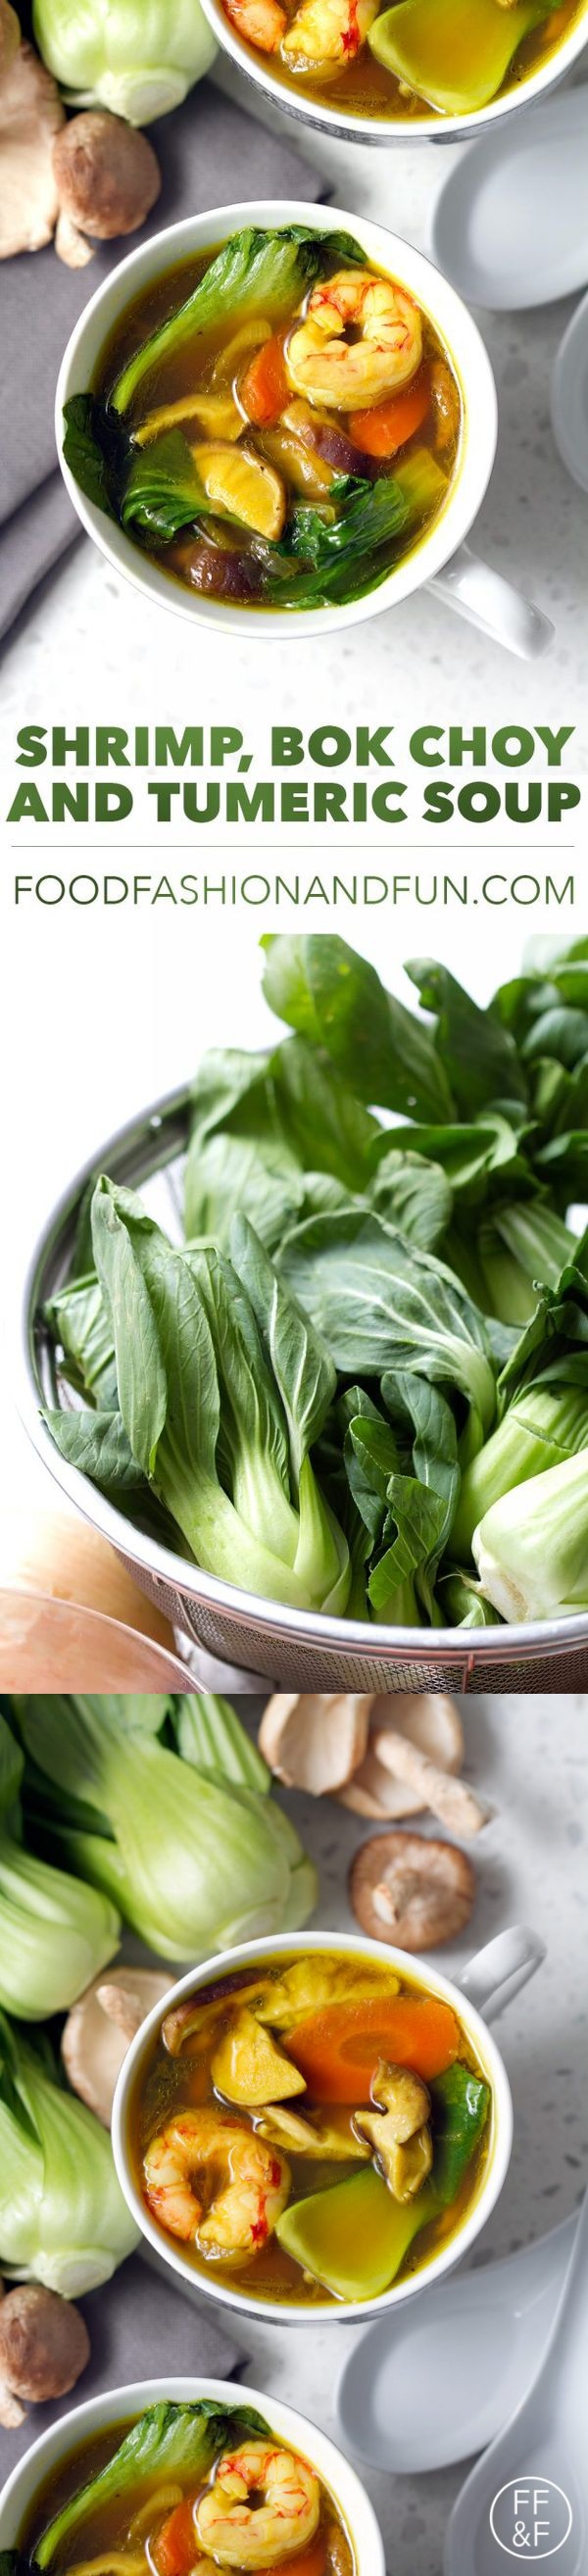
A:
(380, 1304)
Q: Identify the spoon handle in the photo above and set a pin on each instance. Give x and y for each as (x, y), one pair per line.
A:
(497, 1972)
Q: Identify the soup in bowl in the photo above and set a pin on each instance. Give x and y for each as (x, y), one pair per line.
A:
(409, 70)
(158, 2479)
(278, 421)
(312, 2126)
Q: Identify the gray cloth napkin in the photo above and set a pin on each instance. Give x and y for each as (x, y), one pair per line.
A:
(210, 153)
(141, 2327)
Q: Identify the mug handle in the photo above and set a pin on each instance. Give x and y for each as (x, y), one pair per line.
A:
(497, 1972)
(488, 601)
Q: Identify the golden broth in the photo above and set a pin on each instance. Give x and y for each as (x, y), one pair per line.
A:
(364, 88)
(308, 454)
(172, 2084)
(108, 2527)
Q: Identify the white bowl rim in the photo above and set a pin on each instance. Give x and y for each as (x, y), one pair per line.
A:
(296, 1945)
(450, 317)
(112, 2405)
(392, 129)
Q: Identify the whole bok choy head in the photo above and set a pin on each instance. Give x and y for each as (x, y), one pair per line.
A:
(195, 1852)
(55, 1935)
(137, 61)
(63, 2220)
(222, 1386)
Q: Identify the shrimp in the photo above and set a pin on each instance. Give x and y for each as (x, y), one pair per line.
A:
(328, 368)
(260, 22)
(212, 2181)
(329, 31)
(283, 2517)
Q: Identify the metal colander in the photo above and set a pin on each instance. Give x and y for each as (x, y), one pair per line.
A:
(258, 1638)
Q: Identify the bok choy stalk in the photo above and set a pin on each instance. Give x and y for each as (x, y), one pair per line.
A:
(531, 1548)
(543, 1426)
(517, 1246)
(195, 1858)
(220, 1425)
(137, 57)
(63, 2220)
(55, 1935)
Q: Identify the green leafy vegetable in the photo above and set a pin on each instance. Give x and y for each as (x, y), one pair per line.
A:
(55, 1936)
(543, 1426)
(255, 270)
(63, 2220)
(380, 1304)
(210, 1736)
(204, 1413)
(138, 62)
(195, 1860)
(376, 1329)
(461, 2108)
(168, 2439)
(335, 998)
(531, 1547)
(163, 490)
(95, 451)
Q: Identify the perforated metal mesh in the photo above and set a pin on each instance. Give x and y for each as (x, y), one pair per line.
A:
(291, 1661)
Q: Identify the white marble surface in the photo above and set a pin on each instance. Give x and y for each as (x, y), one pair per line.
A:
(530, 1757)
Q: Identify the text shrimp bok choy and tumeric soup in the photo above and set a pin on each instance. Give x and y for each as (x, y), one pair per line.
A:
(275, 423)
(188, 2487)
(320, 2128)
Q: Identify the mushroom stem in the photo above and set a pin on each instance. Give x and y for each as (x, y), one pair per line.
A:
(11, 2411)
(397, 1890)
(123, 2005)
(449, 1798)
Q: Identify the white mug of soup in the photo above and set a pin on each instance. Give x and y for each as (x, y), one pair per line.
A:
(399, 336)
(373, 2038)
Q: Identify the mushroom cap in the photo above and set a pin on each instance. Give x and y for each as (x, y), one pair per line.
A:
(44, 2343)
(100, 2027)
(411, 1890)
(315, 1740)
(107, 174)
(428, 1719)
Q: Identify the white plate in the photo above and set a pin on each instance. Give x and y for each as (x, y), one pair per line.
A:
(429, 2386)
(510, 227)
(569, 397)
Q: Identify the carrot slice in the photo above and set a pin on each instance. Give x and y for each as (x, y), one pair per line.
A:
(382, 431)
(175, 2548)
(264, 389)
(338, 2050)
(312, 2563)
